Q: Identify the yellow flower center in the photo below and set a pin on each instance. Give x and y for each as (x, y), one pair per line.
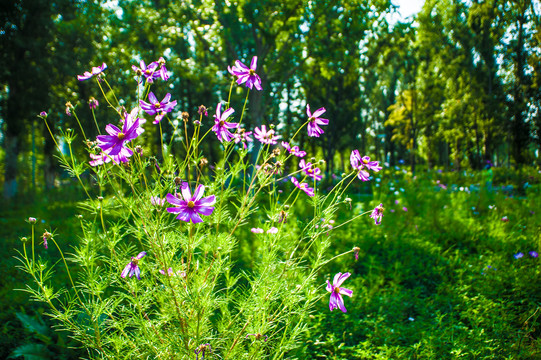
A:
(337, 290)
(157, 105)
(191, 204)
(222, 123)
(121, 136)
(252, 72)
(365, 161)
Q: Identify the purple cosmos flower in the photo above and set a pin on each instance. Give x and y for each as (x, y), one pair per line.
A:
(405, 209)
(149, 72)
(157, 201)
(310, 170)
(304, 187)
(266, 137)
(533, 254)
(95, 72)
(170, 272)
(361, 163)
(295, 150)
(257, 230)
(246, 75)
(190, 208)
(242, 136)
(93, 103)
(162, 72)
(377, 214)
(314, 120)
(158, 108)
(114, 143)
(202, 110)
(201, 349)
(46, 236)
(336, 291)
(221, 126)
(133, 266)
(272, 230)
(356, 252)
(518, 255)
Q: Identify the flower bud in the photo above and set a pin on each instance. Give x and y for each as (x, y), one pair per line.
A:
(80, 217)
(185, 116)
(139, 150)
(24, 239)
(43, 115)
(177, 180)
(100, 198)
(276, 151)
(32, 220)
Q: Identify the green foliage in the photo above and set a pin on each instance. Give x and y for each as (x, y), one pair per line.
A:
(439, 280)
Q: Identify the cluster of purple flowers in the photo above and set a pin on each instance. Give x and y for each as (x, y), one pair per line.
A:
(532, 253)
(188, 207)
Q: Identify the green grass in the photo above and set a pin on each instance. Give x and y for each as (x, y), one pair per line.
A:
(422, 285)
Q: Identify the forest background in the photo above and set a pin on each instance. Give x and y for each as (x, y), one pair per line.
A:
(454, 87)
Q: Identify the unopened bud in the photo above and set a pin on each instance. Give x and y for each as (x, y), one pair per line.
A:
(203, 162)
(100, 198)
(321, 162)
(139, 150)
(276, 151)
(32, 220)
(24, 239)
(185, 116)
(178, 181)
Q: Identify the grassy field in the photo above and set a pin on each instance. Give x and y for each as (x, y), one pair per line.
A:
(442, 278)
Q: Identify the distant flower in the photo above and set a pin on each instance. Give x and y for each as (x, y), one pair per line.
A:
(272, 230)
(170, 272)
(377, 214)
(304, 187)
(202, 110)
(505, 219)
(518, 255)
(246, 75)
(221, 127)
(310, 170)
(32, 220)
(356, 163)
(266, 137)
(46, 236)
(93, 103)
(337, 291)
(396, 202)
(314, 120)
(69, 107)
(43, 114)
(405, 208)
(295, 150)
(162, 72)
(533, 254)
(356, 252)
(201, 349)
(258, 336)
(149, 72)
(243, 136)
(190, 208)
(114, 143)
(133, 266)
(257, 230)
(158, 108)
(157, 201)
(95, 72)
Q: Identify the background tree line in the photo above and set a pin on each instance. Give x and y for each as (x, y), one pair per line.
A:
(456, 86)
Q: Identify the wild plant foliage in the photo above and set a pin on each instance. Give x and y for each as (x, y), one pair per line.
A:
(156, 270)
